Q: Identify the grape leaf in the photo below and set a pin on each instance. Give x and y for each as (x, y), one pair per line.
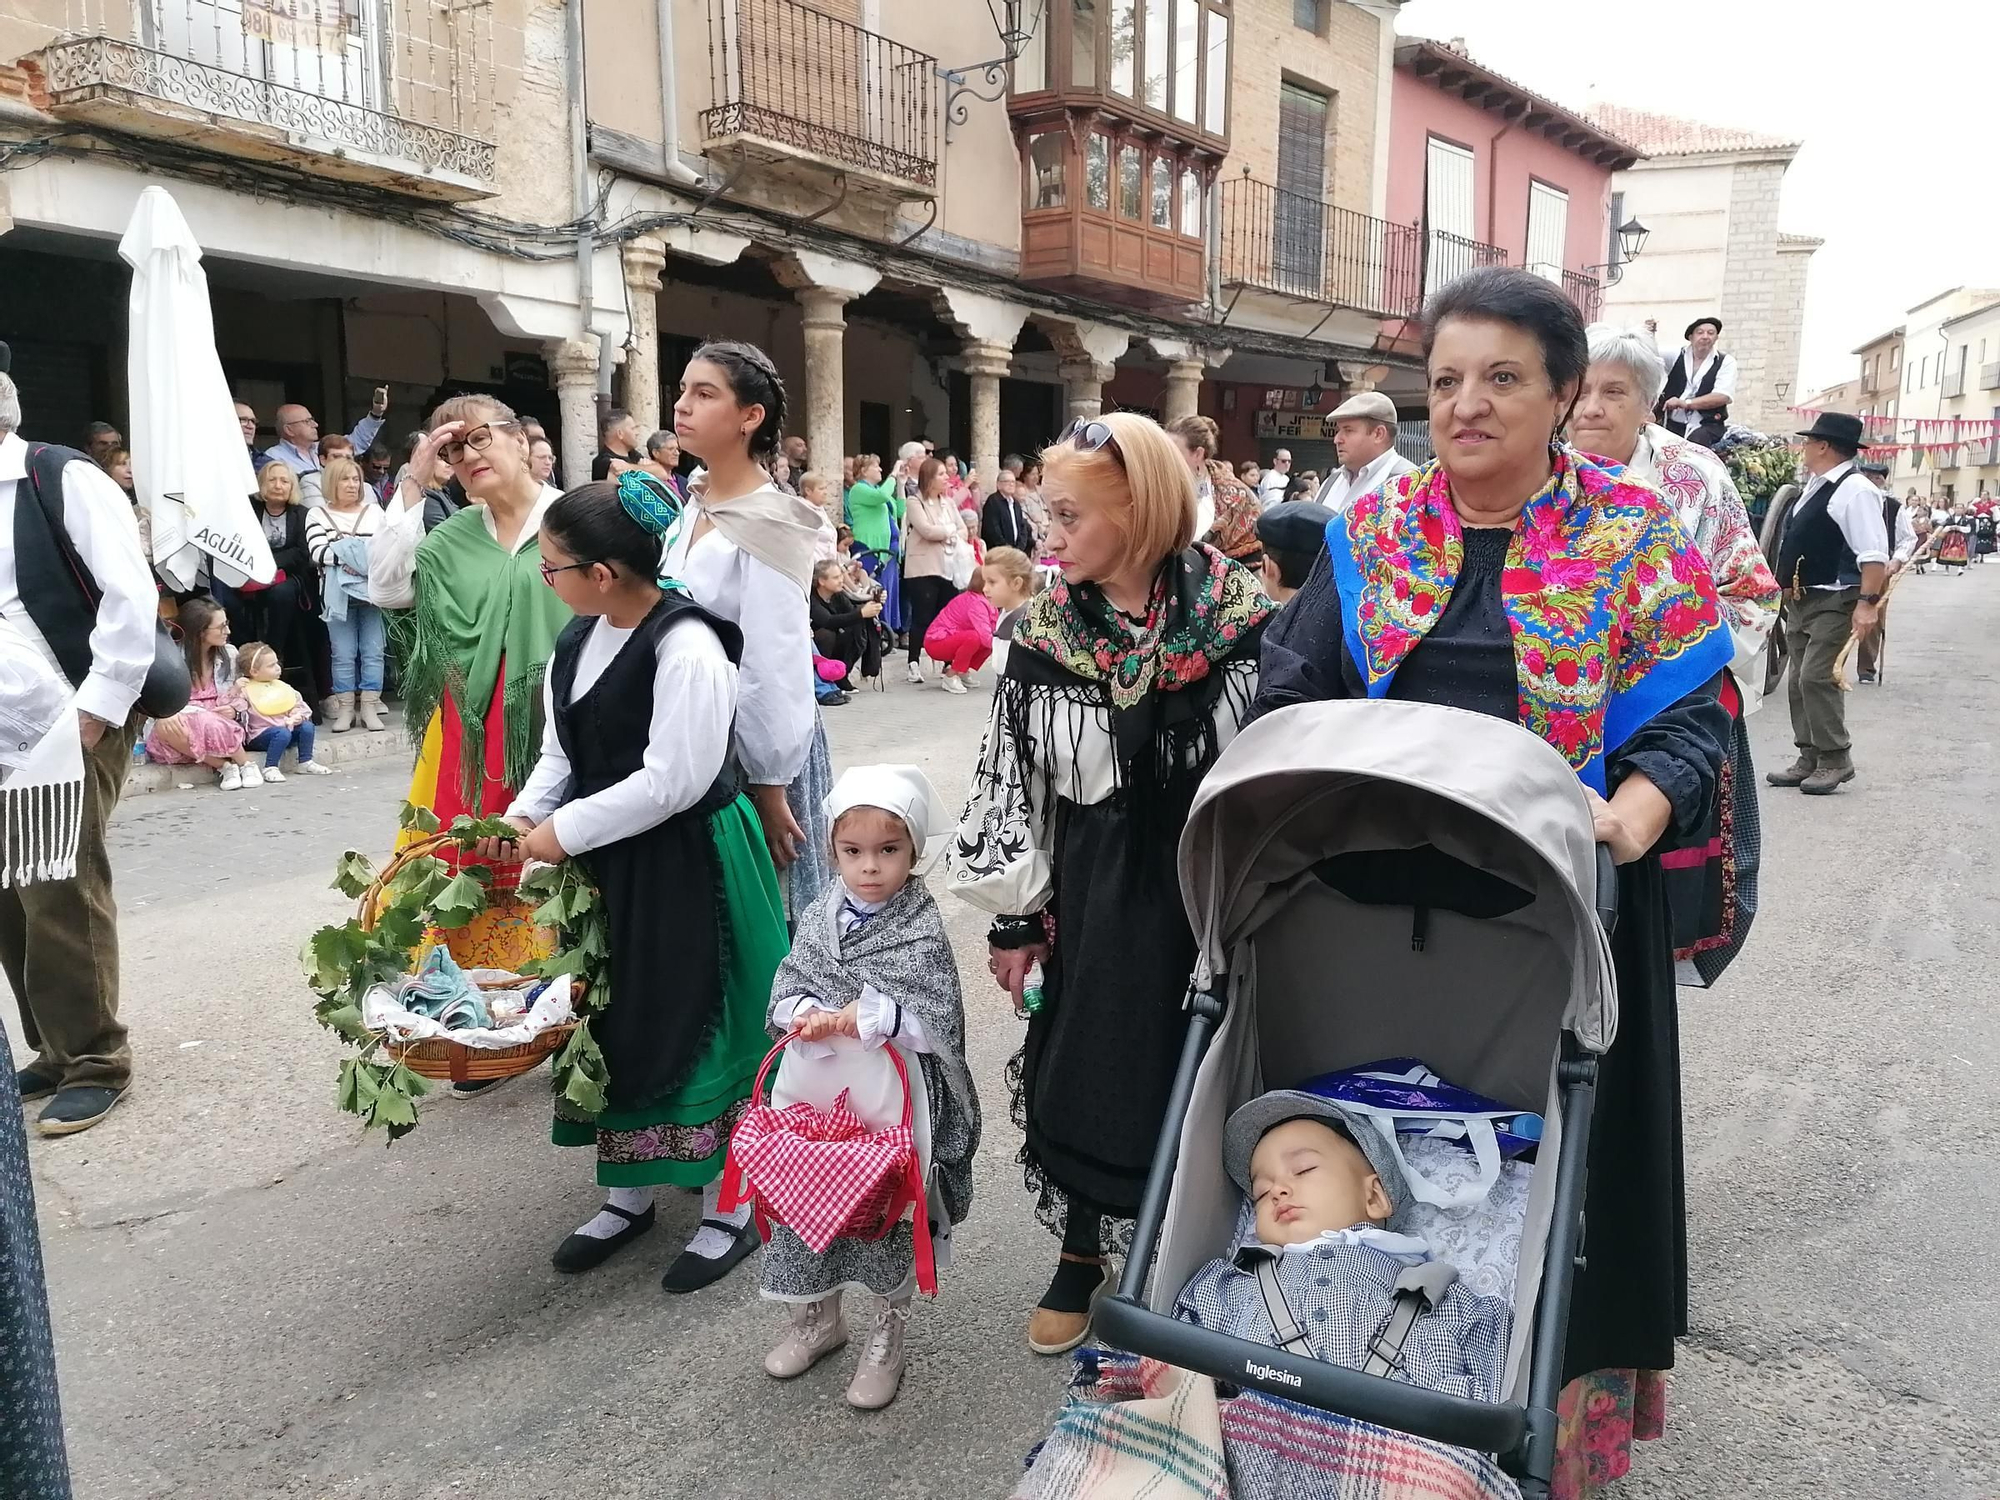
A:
(393, 1108)
(353, 875)
(580, 1073)
(421, 819)
(344, 1018)
(328, 955)
(462, 899)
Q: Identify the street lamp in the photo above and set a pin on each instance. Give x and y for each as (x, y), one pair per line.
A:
(1631, 244)
(1015, 21)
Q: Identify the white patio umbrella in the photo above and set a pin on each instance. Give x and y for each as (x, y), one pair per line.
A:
(189, 464)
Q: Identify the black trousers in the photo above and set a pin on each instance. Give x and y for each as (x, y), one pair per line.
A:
(924, 600)
(851, 646)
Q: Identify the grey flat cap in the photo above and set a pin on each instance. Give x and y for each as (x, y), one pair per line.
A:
(1371, 406)
(1247, 1126)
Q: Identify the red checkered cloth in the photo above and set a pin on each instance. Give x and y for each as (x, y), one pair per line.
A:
(825, 1175)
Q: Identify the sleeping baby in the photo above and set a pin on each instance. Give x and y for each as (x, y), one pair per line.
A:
(1324, 1185)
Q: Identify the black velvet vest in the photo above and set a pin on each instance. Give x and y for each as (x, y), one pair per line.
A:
(604, 732)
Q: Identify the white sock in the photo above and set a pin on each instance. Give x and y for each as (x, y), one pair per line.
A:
(606, 1224)
(709, 1242)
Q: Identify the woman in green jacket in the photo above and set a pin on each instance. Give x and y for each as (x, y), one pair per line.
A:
(875, 516)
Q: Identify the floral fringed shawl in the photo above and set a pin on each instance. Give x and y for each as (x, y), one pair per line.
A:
(1614, 614)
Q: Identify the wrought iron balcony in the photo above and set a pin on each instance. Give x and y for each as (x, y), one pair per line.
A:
(1585, 292)
(1449, 256)
(809, 84)
(360, 89)
(1299, 247)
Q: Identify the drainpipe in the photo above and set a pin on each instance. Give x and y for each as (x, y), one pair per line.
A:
(580, 200)
(670, 99)
(1493, 188)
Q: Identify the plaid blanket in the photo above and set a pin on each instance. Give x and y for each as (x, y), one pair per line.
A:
(1131, 1427)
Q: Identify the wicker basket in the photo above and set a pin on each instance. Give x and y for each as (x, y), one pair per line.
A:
(504, 936)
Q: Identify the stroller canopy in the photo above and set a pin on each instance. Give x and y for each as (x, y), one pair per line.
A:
(1481, 820)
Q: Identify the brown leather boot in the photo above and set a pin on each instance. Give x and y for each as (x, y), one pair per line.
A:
(1834, 771)
(1796, 773)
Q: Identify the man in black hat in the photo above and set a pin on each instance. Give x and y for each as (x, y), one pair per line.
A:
(1902, 534)
(1700, 381)
(1293, 535)
(1832, 565)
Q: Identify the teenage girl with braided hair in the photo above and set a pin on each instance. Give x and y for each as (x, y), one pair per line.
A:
(635, 781)
(745, 550)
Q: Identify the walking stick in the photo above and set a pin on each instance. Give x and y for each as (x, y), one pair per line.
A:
(1881, 620)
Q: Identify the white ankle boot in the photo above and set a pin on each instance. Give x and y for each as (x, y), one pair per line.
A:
(369, 711)
(815, 1330)
(879, 1372)
(339, 712)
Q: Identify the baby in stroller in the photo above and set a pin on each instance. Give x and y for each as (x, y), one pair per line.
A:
(1325, 1276)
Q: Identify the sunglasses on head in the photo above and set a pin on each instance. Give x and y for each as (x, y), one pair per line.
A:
(1091, 437)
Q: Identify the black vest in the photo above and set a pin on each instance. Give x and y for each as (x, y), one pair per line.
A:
(56, 588)
(1891, 509)
(604, 732)
(1815, 551)
(1677, 379)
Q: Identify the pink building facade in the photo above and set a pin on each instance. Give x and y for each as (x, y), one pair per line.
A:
(1495, 173)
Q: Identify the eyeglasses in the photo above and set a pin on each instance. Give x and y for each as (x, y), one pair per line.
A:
(549, 570)
(478, 440)
(1090, 437)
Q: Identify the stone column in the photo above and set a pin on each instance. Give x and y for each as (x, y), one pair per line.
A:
(645, 258)
(1183, 394)
(985, 364)
(573, 367)
(1083, 387)
(826, 376)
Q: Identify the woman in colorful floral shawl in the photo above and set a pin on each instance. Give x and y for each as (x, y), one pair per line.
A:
(1516, 577)
(1124, 682)
(1711, 883)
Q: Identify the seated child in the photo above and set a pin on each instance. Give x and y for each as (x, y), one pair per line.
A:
(1324, 1184)
(961, 637)
(870, 962)
(279, 717)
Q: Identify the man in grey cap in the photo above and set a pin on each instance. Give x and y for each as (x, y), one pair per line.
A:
(1364, 435)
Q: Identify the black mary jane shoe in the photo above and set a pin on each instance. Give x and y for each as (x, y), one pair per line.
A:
(580, 1252)
(691, 1272)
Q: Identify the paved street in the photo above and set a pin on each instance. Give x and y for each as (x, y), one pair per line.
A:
(251, 1300)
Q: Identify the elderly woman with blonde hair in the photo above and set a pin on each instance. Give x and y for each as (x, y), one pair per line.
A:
(1123, 683)
(1713, 898)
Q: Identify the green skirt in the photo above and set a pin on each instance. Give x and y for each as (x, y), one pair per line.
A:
(682, 1140)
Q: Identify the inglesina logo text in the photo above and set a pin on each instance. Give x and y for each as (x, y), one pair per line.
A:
(1265, 1372)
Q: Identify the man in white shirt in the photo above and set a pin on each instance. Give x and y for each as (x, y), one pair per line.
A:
(1832, 564)
(59, 938)
(1271, 486)
(297, 447)
(1700, 381)
(1364, 435)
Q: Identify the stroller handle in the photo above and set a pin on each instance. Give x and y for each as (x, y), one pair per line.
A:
(1607, 889)
(1490, 1427)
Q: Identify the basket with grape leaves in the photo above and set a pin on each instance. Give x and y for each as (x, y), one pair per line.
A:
(539, 924)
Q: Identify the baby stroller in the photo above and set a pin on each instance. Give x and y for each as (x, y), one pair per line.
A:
(1370, 880)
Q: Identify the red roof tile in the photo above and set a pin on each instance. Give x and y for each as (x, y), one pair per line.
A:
(1669, 135)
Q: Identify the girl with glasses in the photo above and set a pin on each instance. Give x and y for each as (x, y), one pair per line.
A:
(635, 782)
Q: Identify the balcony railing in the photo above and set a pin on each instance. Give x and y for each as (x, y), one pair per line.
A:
(405, 84)
(1989, 376)
(788, 74)
(1449, 256)
(1585, 292)
(1299, 247)
(1954, 384)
